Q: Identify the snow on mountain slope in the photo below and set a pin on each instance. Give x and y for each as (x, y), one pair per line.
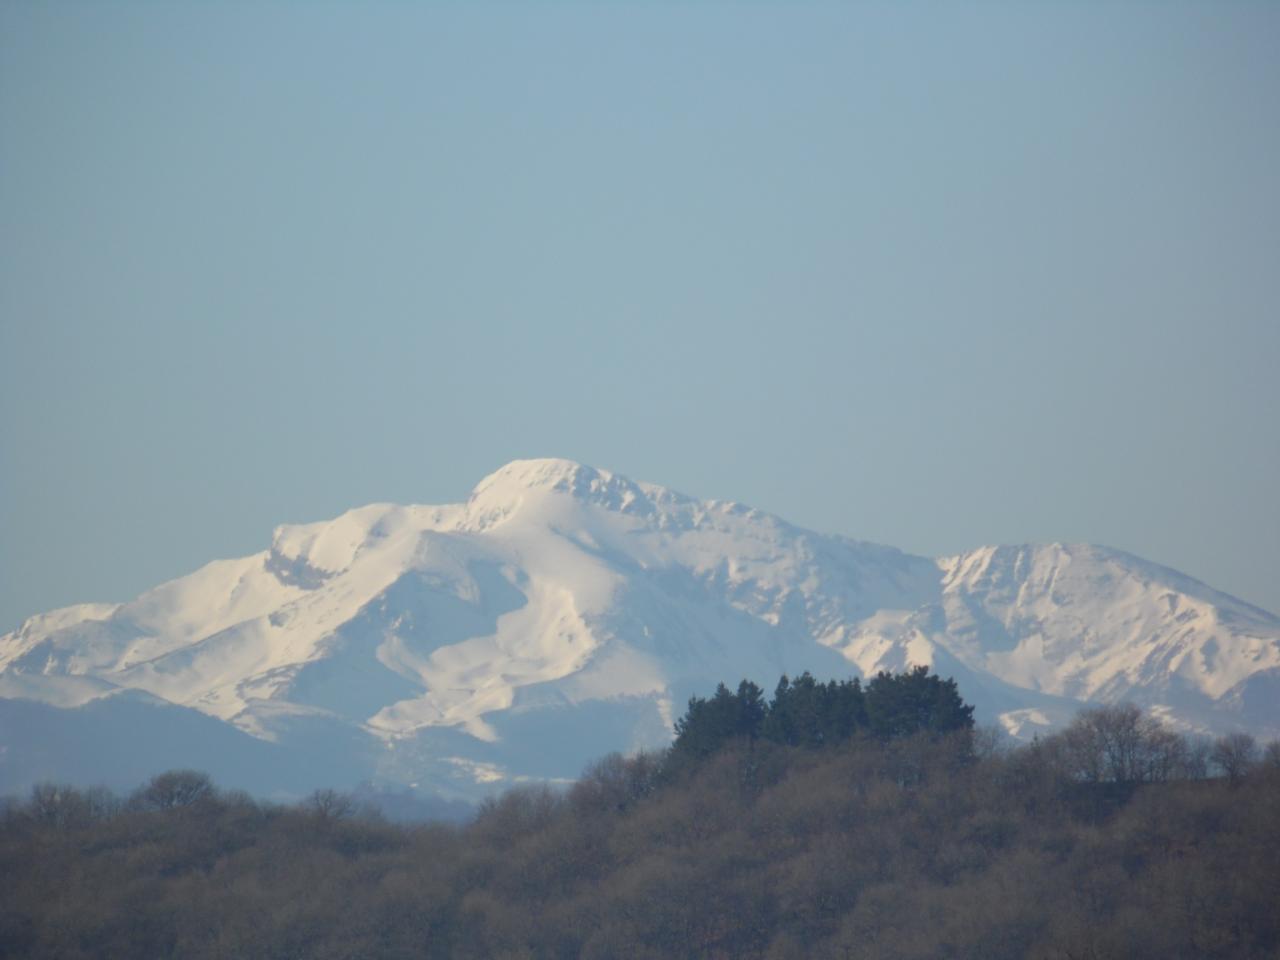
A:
(1092, 623)
(564, 611)
(1088, 623)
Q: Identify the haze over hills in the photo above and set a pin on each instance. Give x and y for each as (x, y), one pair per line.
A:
(562, 612)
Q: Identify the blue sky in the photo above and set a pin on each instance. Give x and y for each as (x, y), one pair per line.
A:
(931, 275)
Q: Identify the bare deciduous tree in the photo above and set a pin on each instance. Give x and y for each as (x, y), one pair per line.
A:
(329, 805)
(1234, 755)
(173, 788)
(1271, 755)
(1109, 744)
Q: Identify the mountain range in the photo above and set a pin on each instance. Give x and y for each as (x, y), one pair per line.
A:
(563, 612)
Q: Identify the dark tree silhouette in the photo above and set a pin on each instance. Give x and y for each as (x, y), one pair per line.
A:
(174, 788)
(899, 705)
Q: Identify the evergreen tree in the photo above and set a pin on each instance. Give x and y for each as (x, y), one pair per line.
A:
(752, 710)
(844, 710)
(901, 704)
(778, 722)
(709, 724)
(806, 713)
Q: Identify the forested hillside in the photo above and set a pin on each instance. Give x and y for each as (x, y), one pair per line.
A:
(830, 821)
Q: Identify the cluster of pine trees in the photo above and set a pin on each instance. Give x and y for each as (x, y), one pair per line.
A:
(806, 713)
(880, 829)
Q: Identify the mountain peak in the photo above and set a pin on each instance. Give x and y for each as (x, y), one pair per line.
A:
(541, 472)
(504, 490)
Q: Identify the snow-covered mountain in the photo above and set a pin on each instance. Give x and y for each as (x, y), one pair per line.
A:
(563, 612)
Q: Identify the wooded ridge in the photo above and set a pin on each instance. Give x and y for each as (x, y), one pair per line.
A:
(831, 821)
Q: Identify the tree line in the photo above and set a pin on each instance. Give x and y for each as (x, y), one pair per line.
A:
(824, 823)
